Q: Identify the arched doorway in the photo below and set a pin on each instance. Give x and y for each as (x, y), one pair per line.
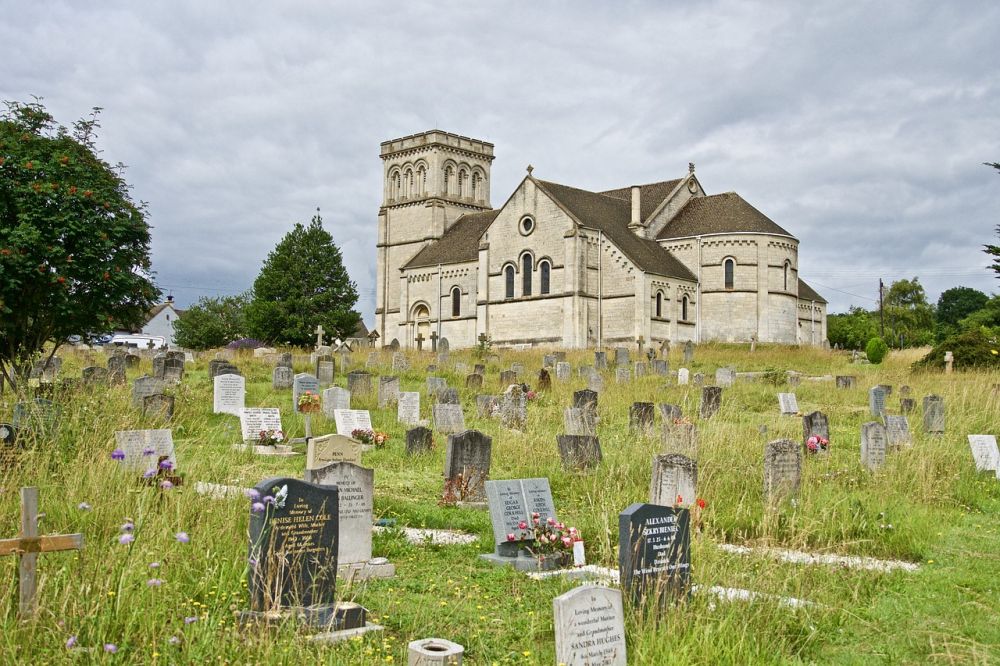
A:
(420, 323)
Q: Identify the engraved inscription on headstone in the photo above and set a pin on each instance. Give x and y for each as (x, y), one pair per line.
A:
(590, 627)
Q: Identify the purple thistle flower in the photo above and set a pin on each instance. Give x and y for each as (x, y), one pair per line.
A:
(71, 642)
(257, 507)
(166, 484)
(126, 539)
(166, 464)
(118, 454)
(268, 499)
(189, 620)
(149, 452)
(83, 506)
(252, 561)
(183, 537)
(110, 647)
(154, 582)
(149, 474)
(252, 494)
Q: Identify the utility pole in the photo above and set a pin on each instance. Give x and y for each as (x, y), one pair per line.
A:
(881, 312)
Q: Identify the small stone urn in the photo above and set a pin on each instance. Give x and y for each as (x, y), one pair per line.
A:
(434, 652)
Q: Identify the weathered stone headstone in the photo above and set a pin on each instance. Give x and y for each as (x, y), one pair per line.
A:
(435, 384)
(229, 395)
(281, 377)
(388, 391)
(94, 375)
(688, 352)
(846, 381)
(595, 382)
(469, 454)
(815, 423)
(448, 418)
(116, 369)
(590, 627)
(585, 399)
(549, 361)
(158, 405)
(301, 383)
(394, 345)
(474, 381)
(326, 449)
(563, 370)
(254, 420)
(349, 420)
(578, 421)
(654, 553)
(508, 377)
(641, 369)
(623, 375)
(487, 406)
(876, 401)
(600, 360)
(512, 503)
(544, 380)
(874, 445)
(325, 370)
(399, 362)
(897, 430)
(669, 413)
(698, 379)
(335, 398)
(579, 451)
(448, 396)
(517, 367)
(418, 440)
(788, 404)
(622, 359)
(359, 382)
(641, 416)
(408, 409)
(560, 356)
(661, 368)
(711, 401)
(356, 504)
(158, 363)
(675, 480)
(683, 377)
(985, 453)
(680, 438)
(285, 360)
(514, 408)
(907, 405)
(144, 386)
(782, 469)
(144, 448)
(479, 369)
(933, 414)
(725, 377)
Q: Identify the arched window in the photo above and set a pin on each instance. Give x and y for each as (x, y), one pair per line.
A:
(394, 188)
(463, 183)
(456, 302)
(526, 265)
(544, 270)
(729, 266)
(684, 308)
(447, 180)
(421, 181)
(786, 276)
(508, 275)
(475, 187)
(659, 304)
(408, 184)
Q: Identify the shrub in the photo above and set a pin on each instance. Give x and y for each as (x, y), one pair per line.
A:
(876, 350)
(971, 349)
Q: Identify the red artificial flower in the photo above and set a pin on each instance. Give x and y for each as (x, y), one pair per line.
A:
(61, 280)
(107, 276)
(680, 500)
(701, 503)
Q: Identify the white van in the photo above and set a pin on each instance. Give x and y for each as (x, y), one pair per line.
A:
(138, 341)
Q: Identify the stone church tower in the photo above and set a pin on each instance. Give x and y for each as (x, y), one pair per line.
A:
(430, 180)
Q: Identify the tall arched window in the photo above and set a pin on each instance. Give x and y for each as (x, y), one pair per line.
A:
(508, 275)
(526, 265)
(447, 180)
(684, 308)
(659, 304)
(456, 302)
(729, 266)
(475, 187)
(544, 269)
(786, 276)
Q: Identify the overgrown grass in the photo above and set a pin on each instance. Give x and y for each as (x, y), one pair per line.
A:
(939, 509)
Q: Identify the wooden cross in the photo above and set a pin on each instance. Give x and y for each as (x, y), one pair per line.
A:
(640, 342)
(420, 341)
(319, 335)
(27, 547)
(483, 338)
(434, 341)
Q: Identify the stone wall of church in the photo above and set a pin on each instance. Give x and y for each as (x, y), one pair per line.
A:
(422, 299)
(811, 323)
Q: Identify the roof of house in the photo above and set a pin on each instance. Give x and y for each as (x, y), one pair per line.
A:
(159, 308)
(612, 215)
(459, 244)
(651, 195)
(719, 214)
(807, 293)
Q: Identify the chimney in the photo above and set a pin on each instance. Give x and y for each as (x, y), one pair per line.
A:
(636, 222)
(170, 298)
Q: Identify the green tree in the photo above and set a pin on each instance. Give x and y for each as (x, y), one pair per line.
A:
(954, 305)
(212, 322)
(851, 330)
(986, 317)
(909, 318)
(74, 247)
(303, 284)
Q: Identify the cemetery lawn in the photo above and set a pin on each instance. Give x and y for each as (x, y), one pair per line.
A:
(162, 600)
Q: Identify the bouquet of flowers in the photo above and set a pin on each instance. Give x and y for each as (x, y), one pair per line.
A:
(815, 444)
(365, 436)
(270, 437)
(309, 402)
(551, 537)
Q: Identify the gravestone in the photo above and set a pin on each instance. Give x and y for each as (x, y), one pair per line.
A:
(512, 503)
(683, 377)
(874, 445)
(563, 370)
(293, 546)
(578, 421)
(641, 416)
(788, 404)
(674, 481)
(229, 395)
(349, 420)
(408, 409)
(654, 553)
(595, 382)
(544, 380)
(116, 369)
(876, 401)
(579, 451)
(418, 440)
(359, 382)
(585, 399)
(711, 401)
(388, 391)
(725, 377)
(132, 360)
(669, 413)
(508, 377)
(886, 389)
(846, 381)
(285, 360)
(623, 375)
(173, 369)
(698, 379)
(560, 356)
(281, 377)
(399, 362)
(474, 381)
(435, 384)
(640, 369)
(782, 469)
(680, 438)
(897, 430)
(518, 368)
(514, 408)
(448, 396)
(468, 455)
(394, 345)
(590, 627)
(661, 368)
(449, 419)
(158, 405)
(905, 391)
(688, 352)
(326, 449)
(985, 453)
(144, 386)
(549, 361)
(144, 448)
(816, 423)
(479, 369)
(254, 420)
(585, 371)
(907, 405)
(356, 505)
(94, 375)
(487, 406)
(158, 363)
(934, 414)
(622, 359)
(335, 398)
(600, 360)
(325, 370)
(301, 383)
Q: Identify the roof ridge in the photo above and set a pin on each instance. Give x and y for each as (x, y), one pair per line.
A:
(655, 182)
(580, 189)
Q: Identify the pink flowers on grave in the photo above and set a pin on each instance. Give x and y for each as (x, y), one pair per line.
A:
(522, 525)
(118, 454)
(816, 443)
(511, 537)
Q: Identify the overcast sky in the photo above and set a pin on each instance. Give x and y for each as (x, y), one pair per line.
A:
(859, 127)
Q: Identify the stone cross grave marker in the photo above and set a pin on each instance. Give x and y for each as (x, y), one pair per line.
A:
(418, 440)
(510, 503)
(408, 409)
(144, 448)
(897, 430)
(788, 404)
(356, 505)
(349, 420)
(326, 449)
(448, 418)
(420, 342)
(876, 401)
(579, 451)
(654, 553)
(229, 395)
(388, 391)
(434, 341)
(934, 414)
(711, 401)
(985, 453)
(874, 445)
(335, 398)
(301, 383)
(469, 454)
(590, 627)
(281, 377)
(675, 481)
(253, 420)
(782, 469)
(319, 335)
(27, 547)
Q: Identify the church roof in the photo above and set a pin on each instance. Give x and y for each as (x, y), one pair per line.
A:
(612, 215)
(719, 214)
(807, 293)
(651, 195)
(459, 244)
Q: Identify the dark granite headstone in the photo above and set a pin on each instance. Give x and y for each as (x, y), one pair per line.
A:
(469, 454)
(418, 440)
(711, 401)
(782, 469)
(579, 451)
(669, 413)
(654, 555)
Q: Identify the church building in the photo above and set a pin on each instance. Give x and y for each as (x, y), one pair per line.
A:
(559, 266)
